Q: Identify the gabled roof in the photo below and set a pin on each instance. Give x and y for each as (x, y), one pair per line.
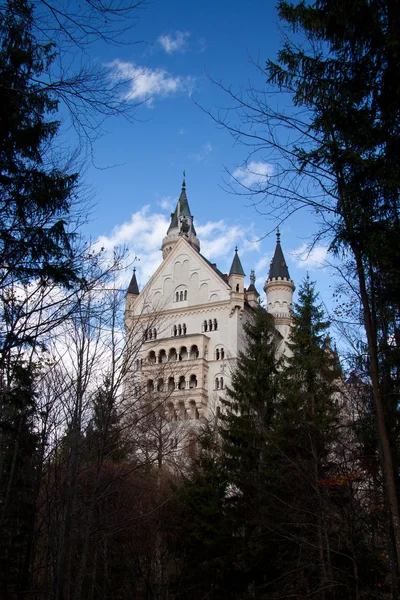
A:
(182, 210)
(236, 268)
(133, 286)
(278, 268)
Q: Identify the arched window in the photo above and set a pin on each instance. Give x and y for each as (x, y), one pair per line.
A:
(171, 411)
(160, 385)
(162, 357)
(184, 329)
(221, 383)
(215, 324)
(150, 385)
(216, 383)
(183, 354)
(237, 287)
(177, 297)
(181, 296)
(152, 357)
(172, 354)
(179, 330)
(219, 353)
(155, 334)
(185, 295)
(145, 333)
(150, 334)
(193, 382)
(171, 384)
(194, 352)
(182, 382)
(205, 326)
(175, 330)
(182, 411)
(210, 324)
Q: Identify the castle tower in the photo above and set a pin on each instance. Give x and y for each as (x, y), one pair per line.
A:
(279, 289)
(236, 276)
(181, 225)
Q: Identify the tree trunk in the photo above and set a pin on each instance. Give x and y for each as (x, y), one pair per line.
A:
(383, 437)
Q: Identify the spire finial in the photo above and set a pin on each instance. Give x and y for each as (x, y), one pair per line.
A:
(184, 179)
(253, 277)
(236, 248)
(278, 235)
(134, 269)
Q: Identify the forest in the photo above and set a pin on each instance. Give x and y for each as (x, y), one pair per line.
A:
(292, 490)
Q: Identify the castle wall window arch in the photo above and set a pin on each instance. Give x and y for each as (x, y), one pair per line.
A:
(172, 356)
(181, 294)
(210, 325)
(152, 358)
(193, 382)
(219, 353)
(183, 353)
(194, 352)
(179, 330)
(219, 383)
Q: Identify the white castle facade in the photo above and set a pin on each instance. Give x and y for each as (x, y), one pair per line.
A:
(188, 320)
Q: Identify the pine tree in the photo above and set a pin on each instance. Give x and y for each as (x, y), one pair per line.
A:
(35, 245)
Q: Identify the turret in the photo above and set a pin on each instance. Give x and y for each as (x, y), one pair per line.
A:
(279, 289)
(252, 295)
(131, 294)
(236, 275)
(181, 225)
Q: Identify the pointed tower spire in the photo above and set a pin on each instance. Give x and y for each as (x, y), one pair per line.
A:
(133, 286)
(279, 289)
(278, 268)
(181, 224)
(236, 268)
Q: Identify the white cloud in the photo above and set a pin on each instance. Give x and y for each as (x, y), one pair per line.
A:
(309, 259)
(176, 42)
(144, 83)
(167, 203)
(203, 154)
(142, 235)
(254, 173)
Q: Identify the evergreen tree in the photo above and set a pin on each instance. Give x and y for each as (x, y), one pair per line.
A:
(35, 244)
(231, 476)
(35, 197)
(348, 81)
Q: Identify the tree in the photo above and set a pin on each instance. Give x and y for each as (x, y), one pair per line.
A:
(231, 477)
(336, 152)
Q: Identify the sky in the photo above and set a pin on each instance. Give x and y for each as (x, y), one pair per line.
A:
(136, 171)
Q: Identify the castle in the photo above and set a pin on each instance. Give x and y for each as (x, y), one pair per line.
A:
(188, 319)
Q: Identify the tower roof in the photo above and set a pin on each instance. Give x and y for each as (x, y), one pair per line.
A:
(236, 268)
(278, 268)
(182, 209)
(133, 286)
(252, 286)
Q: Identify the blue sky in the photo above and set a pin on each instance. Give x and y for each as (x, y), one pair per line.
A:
(138, 173)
